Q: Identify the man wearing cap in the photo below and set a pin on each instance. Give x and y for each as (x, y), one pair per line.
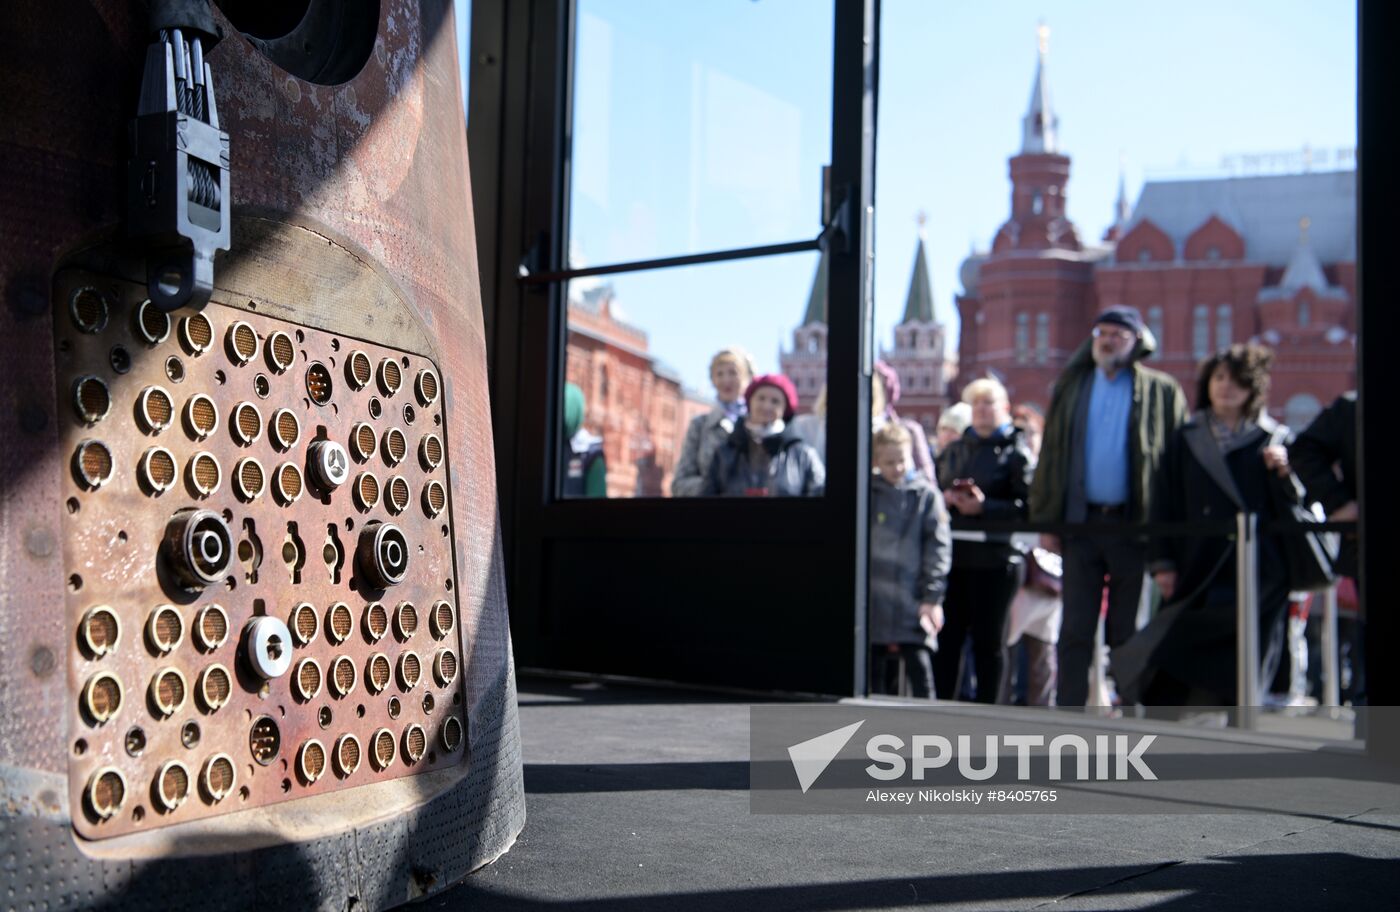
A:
(1108, 424)
(764, 456)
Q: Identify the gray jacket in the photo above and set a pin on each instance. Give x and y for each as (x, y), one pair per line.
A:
(705, 434)
(911, 550)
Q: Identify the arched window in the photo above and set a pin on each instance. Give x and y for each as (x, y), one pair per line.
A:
(1037, 204)
(1023, 337)
(1224, 326)
(1304, 315)
(1154, 323)
(1042, 338)
(1200, 331)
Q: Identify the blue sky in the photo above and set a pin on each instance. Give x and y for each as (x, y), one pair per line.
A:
(702, 126)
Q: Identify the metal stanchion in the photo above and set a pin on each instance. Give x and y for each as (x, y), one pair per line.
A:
(1247, 617)
(1331, 683)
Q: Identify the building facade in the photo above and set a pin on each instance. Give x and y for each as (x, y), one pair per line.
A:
(1206, 262)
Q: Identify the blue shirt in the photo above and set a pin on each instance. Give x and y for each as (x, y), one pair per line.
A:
(1106, 438)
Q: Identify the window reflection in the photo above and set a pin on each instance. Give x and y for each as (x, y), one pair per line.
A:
(673, 389)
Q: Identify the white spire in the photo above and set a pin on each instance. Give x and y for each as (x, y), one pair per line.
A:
(1039, 126)
(1121, 210)
(1304, 270)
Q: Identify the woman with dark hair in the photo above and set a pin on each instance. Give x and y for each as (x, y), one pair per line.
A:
(1230, 457)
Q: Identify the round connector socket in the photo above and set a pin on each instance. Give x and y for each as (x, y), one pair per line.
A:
(426, 386)
(383, 749)
(359, 370)
(218, 777)
(106, 792)
(343, 676)
(451, 734)
(376, 621)
(415, 743)
(280, 352)
(382, 554)
(267, 647)
(197, 334)
(390, 376)
(171, 786)
(101, 630)
(91, 399)
(328, 464)
(311, 760)
(102, 697)
(443, 619)
(347, 755)
(215, 687)
(285, 429)
(198, 547)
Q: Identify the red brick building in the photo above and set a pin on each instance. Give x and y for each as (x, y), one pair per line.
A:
(1206, 263)
(635, 403)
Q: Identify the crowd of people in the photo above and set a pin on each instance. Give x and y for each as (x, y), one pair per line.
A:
(958, 612)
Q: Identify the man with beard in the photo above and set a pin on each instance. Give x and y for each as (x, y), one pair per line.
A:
(1108, 424)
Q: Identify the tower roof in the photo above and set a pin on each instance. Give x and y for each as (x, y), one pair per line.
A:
(918, 306)
(816, 300)
(1304, 270)
(1040, 125)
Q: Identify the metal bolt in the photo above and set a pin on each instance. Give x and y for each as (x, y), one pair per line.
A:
(41, 661)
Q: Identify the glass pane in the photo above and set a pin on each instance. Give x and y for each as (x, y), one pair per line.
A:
(1028, 182)
(697, 126)
(462, 14)
(642, 373)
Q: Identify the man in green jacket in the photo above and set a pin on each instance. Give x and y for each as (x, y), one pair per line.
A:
(1109, 422)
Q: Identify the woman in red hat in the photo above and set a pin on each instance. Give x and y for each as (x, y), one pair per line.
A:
(764, 456)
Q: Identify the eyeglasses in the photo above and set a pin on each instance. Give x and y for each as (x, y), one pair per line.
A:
(1102, 331)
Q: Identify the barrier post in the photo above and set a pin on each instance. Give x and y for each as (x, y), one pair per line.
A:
(1247, 617)
(1331, 683)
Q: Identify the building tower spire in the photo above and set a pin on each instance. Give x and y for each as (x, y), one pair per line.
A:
(816, 300)
(1039, 128)
(1121, 209)
(918, 305)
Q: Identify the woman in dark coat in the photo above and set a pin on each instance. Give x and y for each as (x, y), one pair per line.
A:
(763, 456)
(984, 474)
(1230, 456)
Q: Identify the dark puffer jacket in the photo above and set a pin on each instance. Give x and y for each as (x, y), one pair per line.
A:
(781, 465)
(1002, 465)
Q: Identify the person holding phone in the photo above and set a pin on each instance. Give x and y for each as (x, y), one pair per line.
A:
(986, 475)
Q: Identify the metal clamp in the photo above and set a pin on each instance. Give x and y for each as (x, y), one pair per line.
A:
(178, 173)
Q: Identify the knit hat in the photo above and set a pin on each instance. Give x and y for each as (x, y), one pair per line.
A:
(1127, 317)
(956, 417)
(780, 383)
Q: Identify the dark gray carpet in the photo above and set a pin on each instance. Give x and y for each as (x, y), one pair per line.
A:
(637, 800)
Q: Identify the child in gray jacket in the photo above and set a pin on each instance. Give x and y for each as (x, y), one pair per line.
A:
(910, 553)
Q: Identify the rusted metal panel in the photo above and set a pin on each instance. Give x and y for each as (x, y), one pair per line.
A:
(375, 170)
